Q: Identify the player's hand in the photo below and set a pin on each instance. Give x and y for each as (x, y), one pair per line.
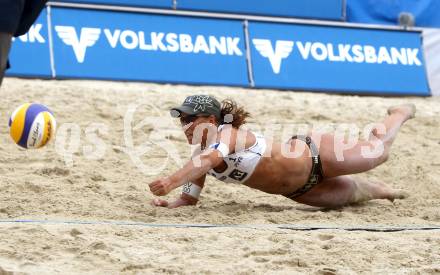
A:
(160, 187)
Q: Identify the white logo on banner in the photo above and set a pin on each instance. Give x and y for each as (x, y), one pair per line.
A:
(336, 53)
(282, 50)
(154, 41)
(88, 38)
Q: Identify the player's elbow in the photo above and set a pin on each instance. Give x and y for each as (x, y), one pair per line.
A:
(210, 161)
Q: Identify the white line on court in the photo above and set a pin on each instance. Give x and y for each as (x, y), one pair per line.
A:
(296, 227)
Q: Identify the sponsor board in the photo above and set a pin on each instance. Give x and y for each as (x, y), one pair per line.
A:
(177, 49)
(337, 59)
(131, 46)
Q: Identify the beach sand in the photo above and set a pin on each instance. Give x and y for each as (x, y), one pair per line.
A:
(78, 178)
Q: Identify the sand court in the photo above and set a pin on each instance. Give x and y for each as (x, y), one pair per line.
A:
(98, 169)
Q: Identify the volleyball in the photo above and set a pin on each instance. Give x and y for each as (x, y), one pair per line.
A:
(32, 125)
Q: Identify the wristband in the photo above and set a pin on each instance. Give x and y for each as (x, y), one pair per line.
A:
(221, 147)
(191, 189)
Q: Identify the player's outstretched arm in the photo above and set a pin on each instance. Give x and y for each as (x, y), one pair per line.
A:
(197, 167)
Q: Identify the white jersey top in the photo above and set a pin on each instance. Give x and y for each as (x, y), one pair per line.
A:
(240, 165)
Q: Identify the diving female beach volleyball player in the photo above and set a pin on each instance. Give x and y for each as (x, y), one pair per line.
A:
(306, 169)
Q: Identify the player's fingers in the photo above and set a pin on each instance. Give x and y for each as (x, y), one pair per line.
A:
(154, 183)
(155, 187)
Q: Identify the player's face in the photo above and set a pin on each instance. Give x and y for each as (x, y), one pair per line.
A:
(195, 127)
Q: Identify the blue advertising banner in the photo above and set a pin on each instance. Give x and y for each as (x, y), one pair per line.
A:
(337, 59)
(315, 9)
(177, 49)
(30, 52)
(132, 3)
(145, 47)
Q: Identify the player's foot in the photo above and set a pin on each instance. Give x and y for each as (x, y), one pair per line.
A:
(407, 110)
(391, 194)
(397, 194)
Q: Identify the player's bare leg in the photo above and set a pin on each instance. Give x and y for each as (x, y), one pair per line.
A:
(344, 190)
